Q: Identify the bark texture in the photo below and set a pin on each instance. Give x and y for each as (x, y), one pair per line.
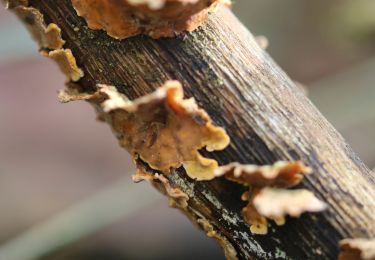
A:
(267, 117)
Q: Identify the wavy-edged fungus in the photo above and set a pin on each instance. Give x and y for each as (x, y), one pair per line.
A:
(67, 63)
(277, 203)
(357, 249)
(281, 174)
(72, 93)
(267, 195)
(162, 128)
(156, 18)
(47, 36)
(257, 222)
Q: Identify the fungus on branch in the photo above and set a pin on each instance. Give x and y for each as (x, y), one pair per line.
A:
(163, 129)
(267, 196)
(66, 62)
(281, 174)
(48, 37)
(277, 203)
(357, 249)
(156, 18)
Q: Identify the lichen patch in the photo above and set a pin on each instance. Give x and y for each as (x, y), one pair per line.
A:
(267, 196)
(156, 18)
(357, 249)
(67, 63)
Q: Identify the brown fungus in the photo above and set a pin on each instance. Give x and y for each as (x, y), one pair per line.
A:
(281, 174)
(257, 222)
(10, 4)
(357, 249)
(156, 18)
(72, 93)
(267, 196)
(67, 63)
(47, 36)
(277, 203)
(162, 128)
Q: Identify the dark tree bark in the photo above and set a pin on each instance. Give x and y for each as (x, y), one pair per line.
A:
(267, 117)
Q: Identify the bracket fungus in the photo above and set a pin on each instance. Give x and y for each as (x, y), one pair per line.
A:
(281, 174)
(48, 37)
(267, 196)
(156, 18)
(67, 63)
(276, 203)
(357, 249)
(163, 129)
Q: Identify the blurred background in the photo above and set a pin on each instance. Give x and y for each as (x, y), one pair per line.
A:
(65, 186)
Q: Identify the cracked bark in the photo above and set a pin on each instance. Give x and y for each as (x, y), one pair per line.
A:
(267, 117)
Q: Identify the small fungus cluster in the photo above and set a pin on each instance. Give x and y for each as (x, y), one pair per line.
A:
(48, 37)
(152, 126)
(268, 196)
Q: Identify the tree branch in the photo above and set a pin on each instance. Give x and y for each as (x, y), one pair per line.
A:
(266, 116)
